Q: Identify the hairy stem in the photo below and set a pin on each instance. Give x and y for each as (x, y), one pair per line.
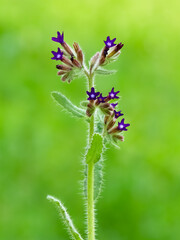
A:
(90, 179)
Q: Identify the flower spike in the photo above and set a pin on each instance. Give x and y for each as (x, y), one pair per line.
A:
(123, 126)
(57, 55)
(92, 95)
(60, 38)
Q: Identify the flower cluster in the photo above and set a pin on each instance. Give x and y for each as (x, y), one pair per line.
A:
(73, 65)
(72, 61)
(111, 115)
(110, 51)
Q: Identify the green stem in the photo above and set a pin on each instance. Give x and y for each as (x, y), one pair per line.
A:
(90, 180)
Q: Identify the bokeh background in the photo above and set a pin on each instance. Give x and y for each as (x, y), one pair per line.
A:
(41, 147)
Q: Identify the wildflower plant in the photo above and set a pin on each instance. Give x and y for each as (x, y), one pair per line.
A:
(105, 123)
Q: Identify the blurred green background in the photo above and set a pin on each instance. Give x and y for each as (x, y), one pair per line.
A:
(41, 147)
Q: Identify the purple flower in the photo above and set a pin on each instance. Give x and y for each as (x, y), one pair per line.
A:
(60, 38)
(101, 99)
(112, 94)
(57, 55)
(114, 104)
(110, 43)
(92, 95)
(122, 126)
(117, 114)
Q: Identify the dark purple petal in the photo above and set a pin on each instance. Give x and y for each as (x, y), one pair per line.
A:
(110, 43)
(123, 126)
(57, 55)
(114, 104)
(101, 99)
(117, 114)
(112, 94)
(60, 38)
(92, 95)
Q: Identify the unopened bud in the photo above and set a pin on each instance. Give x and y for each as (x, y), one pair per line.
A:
(90, 108)
(115, 50)
(105, 105)
(63, 67)
(64, 78)
(97, 102)
(106, 108)
(93, 60)
(111, 124)
(61, 72)
(113, 130)
(102, 60)
(107, 99)
(69, 80)
(76, 47)
(110, 108)
(106, 119)
(67, 61)
(67, 48)
(118, 137)
(103, 55)
(80, 56)
(106, 111)
(90, 105)
(90, 111)
(75, 62)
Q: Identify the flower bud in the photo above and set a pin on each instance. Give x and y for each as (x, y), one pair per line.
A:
(106, 111)
(103, 55)
(93, 61)
(90, 111)
(76, 47)
(65, 77)
(106, 108)
(111, 124)
(63, 67)
(90, 105)
(67, 48)
(61, 72)
(75, 62)
(67, 61)
(118, 137)
(106, 119)
(80, 56)
(105, 105)
(90, 108)
(115, 50)
(114, 130)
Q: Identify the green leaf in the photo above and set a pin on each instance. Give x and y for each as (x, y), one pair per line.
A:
(67, 104)
(103, 71)
(98, 178)
(66, 218)
(95, 150)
